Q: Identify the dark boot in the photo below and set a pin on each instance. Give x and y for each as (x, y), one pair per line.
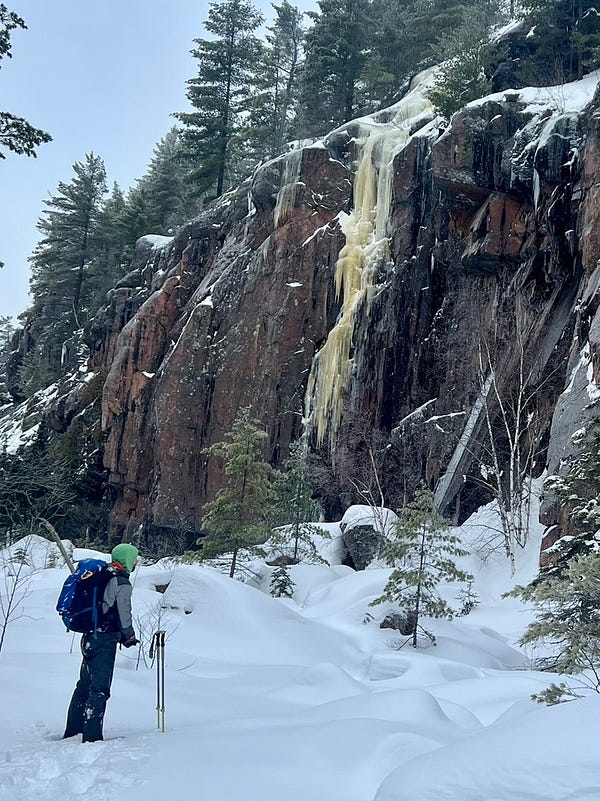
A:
(93, 717)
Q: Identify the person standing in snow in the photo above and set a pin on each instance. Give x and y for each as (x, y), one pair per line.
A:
(99, 649)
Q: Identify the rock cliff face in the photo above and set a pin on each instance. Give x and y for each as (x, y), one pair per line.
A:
(227, 315)
(363, 290)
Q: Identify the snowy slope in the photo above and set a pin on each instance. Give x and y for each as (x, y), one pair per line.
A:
(304, 699)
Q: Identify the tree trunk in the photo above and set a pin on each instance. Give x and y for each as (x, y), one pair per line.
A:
(419, 590)
(224, 135)
(80, 269)
(233, 563)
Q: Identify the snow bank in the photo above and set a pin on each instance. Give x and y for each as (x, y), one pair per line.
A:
(306, 698)
(228, 617)
(551, 754)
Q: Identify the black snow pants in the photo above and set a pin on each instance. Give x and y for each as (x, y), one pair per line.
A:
(86, 710)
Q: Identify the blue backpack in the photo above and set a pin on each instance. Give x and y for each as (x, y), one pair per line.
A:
(80, 600)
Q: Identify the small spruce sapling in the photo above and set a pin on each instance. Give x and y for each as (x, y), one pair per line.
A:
(238, 519)
(468, 599)
(282, 584)
(294, 508)
(422, 550)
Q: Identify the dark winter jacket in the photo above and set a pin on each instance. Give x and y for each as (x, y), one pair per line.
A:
(116, 604)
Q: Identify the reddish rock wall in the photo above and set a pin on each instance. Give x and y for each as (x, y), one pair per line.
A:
(489, 235)
(245, 299)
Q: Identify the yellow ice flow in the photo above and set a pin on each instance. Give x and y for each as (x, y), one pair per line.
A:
(367, 246)
(286, 196)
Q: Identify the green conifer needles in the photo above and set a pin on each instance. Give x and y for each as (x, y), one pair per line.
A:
(423, 551)
(578, 492)
(239, 516)
(16, 134)
(282, 585)
(568, 620)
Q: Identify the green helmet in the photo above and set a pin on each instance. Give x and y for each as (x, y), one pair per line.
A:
(125, 554)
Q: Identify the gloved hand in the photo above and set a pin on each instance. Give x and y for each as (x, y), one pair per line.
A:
(131, 641)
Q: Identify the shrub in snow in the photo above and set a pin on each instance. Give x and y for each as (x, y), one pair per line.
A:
(555, 694)
(297, 543)
(155, 617)
(422, 551)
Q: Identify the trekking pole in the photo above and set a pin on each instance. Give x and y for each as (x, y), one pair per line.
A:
(158, 643)
(161, 635)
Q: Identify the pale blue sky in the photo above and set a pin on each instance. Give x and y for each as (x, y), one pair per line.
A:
(98, 75)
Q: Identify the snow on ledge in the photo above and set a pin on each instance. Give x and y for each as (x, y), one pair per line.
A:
(564, 98)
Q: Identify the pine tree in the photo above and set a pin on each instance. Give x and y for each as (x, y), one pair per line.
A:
(166, 184)
(68, 245)
(227, 66)
(390, 61)
(568, 619)
(239, 517)
(282, 585)
(160, 201)
(273, 108)
(464, 47)
(138, 217)
(335, 49)
(7, 331)
(422, 551)
(111, 242)
(295, 510)
(567, 34)
(16, 134)
(62, 264)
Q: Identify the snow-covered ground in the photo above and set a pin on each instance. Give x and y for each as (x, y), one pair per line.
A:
(302, 700)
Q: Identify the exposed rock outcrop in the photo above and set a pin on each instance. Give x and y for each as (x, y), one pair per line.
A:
(364, 532)
(579, 403)
(479, 238)
(234, 321)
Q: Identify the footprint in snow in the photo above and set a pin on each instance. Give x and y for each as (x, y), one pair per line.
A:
(42, 765)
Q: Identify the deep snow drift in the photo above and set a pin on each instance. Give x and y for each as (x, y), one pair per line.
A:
(303, 700)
